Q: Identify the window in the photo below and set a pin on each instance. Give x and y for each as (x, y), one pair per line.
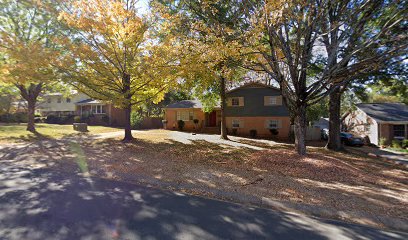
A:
(185, 115)
(59, 100)
(68, 100)
(49, 100)
(98, 109)
(235, 101)
(399, 130)
(273, 124)
(236, 123)
(272, 100)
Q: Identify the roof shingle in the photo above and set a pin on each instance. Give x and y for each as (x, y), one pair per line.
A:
(386, 112)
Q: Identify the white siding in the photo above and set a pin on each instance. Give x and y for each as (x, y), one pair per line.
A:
(45, 106)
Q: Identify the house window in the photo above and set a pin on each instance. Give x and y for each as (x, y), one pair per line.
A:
(49, 100)
(273, 124)
(271, 100)
(59, 100)
(68, 100)
(98, 109)
(235, 101)
(185, 115)
(399, 130)
(236, 123)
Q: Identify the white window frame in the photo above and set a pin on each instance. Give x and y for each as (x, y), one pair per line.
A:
(271, 101)
(185, 116)
(273, 124)
(98, 109)
(403, 131)
(68, 100)
(236, 123)
(237, 101)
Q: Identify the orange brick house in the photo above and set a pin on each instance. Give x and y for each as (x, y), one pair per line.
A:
(253, 106)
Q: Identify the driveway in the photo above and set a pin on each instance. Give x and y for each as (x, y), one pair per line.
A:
(42, 200)
(400, 158)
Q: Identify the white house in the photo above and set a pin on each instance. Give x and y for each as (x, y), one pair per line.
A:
(379, 120)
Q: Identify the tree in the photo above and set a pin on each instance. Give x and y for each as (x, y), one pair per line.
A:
(209, 31)
(116, 55)
(287, 39)
(8, 95)
(363, 37)
(26, 31)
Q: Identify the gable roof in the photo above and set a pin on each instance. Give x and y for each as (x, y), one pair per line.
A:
(253, 84)
(186, 104)
(88, 101)
(385, 112)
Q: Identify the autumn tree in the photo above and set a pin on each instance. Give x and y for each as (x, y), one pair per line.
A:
(291, 39)
(209, 31)
(117, 55)
(26, 31)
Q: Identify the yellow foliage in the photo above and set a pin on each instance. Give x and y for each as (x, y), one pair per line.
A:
(114, 42)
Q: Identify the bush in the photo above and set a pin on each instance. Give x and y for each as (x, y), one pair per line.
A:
(180, 124)
(196, 121)
(253, 133)
(234, 131)
(52, 119)
(77, 119)
(274, 131)
(135, 120)
(396, 144)
(382, 141)
(105, 119)
(405, 143)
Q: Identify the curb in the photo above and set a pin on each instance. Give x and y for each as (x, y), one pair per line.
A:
(264, 202)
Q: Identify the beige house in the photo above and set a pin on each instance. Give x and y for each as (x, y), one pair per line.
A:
(379, 120)
(57, 104)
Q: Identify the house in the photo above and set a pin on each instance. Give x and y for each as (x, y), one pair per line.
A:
(79, 104)
(379, 120)
(253, 106)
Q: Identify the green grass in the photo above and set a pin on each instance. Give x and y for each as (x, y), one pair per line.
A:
(399, 150)
(18, 132)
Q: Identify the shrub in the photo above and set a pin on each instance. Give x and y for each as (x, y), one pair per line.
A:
(105, 119)
(405, 143)
(196, 121)
(396, 144)
(253, 133)
(135, 120)
(180, 124)
(382, 141)
(234, 131)
(274, 131)
(77, 119)
(52, 119)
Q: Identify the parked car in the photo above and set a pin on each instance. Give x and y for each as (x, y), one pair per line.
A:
(351, 140)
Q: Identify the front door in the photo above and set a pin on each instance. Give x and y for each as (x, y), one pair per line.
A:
(212, 119)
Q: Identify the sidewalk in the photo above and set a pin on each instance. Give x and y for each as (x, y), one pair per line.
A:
(399, 158)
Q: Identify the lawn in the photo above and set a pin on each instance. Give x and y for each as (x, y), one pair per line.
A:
(355, 188)
(18, 132)
(360, 188)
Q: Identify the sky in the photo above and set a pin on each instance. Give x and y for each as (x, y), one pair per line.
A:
(143, 6)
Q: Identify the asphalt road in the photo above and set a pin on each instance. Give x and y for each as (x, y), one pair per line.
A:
(39, 202)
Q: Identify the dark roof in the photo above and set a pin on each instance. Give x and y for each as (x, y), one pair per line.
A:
(386, 112)
(253, 84)
(88, 101)
(186, 104)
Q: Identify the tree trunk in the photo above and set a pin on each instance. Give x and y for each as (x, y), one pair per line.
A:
(30, 95)
(31, 115)
(334, 142)
(223, 120)
(128, 107)
(300, 130)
